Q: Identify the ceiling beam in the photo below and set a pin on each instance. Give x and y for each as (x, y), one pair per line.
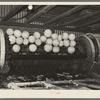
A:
(46, 27)
(80, 19)
(92, 7)
(90, 23)
(40, 12)
(35, 9)
(95, 26)
(67, 13)
(12, 12)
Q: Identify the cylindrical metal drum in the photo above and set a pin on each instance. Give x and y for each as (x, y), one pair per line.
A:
(26, 62)
(96, 41)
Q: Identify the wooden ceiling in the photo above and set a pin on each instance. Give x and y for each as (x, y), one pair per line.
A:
(75, 17)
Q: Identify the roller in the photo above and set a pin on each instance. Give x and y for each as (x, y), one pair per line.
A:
(32, 47)
(43, 38)
(19, 40)
(37, 35)
(9, 31)
(60, 37)
(12, 39)
(25, 34)
(55, 42)
(54, 36)
(31, 39)
(71, 37)
(72, 43)
(17, 33)
(33, 60)
(48, 48)
(16, 48)
(49, 41)
(71, 50)
(56, 49)
(66, 43)
(65, 35)
(38, 42)
(61, 43)
(48, 33)
(25, 41)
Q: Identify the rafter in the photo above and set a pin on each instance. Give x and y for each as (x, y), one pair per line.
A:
(91, 23)
(39, 13)
(68, 13)
(80, 19)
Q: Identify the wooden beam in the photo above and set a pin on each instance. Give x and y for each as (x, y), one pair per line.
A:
(92, 7)
(46, 27)
(13, 12)
(68, 13)
(91, 23)
(80, 19)
(39, 13)
(95, 26)
(36, 9)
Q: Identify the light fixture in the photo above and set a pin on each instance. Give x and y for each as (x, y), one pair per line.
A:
(30, 7)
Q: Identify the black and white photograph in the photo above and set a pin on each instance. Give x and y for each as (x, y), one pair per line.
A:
(49, 47)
